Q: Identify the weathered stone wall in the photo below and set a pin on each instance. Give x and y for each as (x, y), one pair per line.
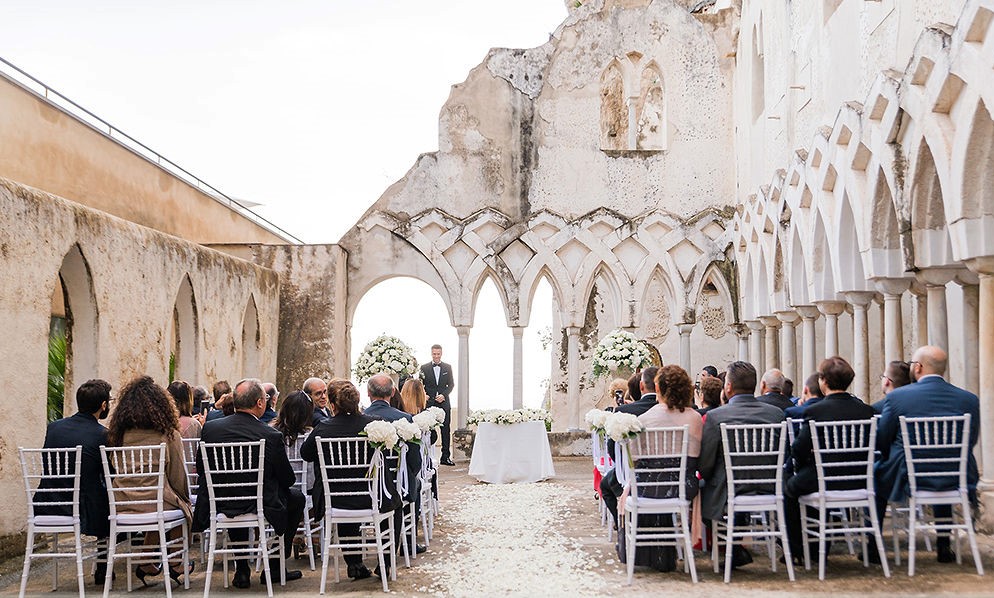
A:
(47, 148)
(134, 275)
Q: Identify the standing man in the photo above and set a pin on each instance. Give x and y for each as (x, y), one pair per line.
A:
(439, 383)
(317, 390)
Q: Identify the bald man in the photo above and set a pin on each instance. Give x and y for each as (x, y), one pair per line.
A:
(771, 390)
(930, 396)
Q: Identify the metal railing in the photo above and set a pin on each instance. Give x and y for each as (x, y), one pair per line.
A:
(17, 76)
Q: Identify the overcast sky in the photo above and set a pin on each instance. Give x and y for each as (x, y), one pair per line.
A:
(310, 107)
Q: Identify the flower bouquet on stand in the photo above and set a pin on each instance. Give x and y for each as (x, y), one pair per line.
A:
(385, 354)
(620, 351)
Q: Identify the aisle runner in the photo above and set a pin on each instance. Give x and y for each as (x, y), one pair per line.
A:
(505, 541)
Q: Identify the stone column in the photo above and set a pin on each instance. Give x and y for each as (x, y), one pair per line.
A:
(971, 328)
(463, 375)
(809, 347)
(685, 329)
(860, 301)
(518, 364)
(935, 280)
(788, 343)
(772, 355)
(756, 329)
(893, 328)
(920, 312)
(742, 333)
(984, 267)
(831, 310)
(573, 375)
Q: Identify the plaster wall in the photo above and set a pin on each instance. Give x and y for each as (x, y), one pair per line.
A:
(135, 275)
(47, 148)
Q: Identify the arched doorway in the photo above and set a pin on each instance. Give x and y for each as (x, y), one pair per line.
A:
(184, 346)
(73, 333)
(250, 340)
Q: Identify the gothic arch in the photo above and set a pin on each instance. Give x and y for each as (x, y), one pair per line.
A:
(798, 280)
(849, 263)
(250, 340)
(928, 213)
(82, 323)
(185, 333)
(614, 108)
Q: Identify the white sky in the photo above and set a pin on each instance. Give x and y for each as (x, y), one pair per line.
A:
(310, 107)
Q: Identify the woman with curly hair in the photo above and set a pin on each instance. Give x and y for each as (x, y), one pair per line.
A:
(145, 415)
(182, 395)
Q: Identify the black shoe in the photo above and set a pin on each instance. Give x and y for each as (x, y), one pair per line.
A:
(291, 575)
(359, 571)
(872, 554)
(241, 579)
(740, 557)
(447, 461)
(141, 573)
(945, 554)
(420, 548)
(100, 574)
(174, 573)
(376, 572)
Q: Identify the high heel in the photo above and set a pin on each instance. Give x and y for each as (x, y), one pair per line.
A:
(174, 573)
(141, 574)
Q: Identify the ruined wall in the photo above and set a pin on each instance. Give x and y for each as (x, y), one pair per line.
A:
(134, 275)
(49, 149)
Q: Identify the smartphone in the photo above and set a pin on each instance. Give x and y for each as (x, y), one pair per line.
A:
(619, 397)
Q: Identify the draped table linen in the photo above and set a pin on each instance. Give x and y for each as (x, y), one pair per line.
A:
(511, 454)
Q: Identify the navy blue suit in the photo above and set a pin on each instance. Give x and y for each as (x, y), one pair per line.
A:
(797, 411)
(384, 411)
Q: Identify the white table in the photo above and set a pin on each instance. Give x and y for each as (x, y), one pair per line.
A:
(515, 454)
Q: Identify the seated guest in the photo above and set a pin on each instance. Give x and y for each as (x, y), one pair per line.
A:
(771, 390)
(182, 396)
(674, 394)
(610, 488)
(272, 394)
(200, 403)
(810, 395)
(930, 396)
(282, 502)
(710, 394)
(835, 375)
(318, 391)
(788, 390)
(742, 408)
(145, 416)
(395, 399)
(708, 371)
(896, 375)
(221, 390)
(634, 388)
(83, 429)
(347, 422)
(295, 417)
(412, 397)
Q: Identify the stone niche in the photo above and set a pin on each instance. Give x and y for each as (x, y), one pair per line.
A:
(633, 105)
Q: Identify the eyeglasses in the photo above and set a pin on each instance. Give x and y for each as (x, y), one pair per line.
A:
(911, 363)
(319, 393)
(884, 377)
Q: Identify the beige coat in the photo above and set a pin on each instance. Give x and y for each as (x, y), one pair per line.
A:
(176, 492)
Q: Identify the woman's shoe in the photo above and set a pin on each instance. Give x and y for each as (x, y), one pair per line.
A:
(174, 573)
(141, 573)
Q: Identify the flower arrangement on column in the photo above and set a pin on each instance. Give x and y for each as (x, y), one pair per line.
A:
(620, 351)
(385, 354)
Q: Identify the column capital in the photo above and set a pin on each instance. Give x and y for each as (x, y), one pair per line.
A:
(740, 329)
(936, 277)
(754, 325)
(787, 316)
(984, 266)
(463, 330)
(892, 286)
(860, 298)
(966, 278)
(831, 308)
(572, 330)
(770, 321)
(685, 328)
(517, 331)
(807, 312)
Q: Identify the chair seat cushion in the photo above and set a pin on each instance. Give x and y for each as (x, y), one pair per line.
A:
(649, 504)
(248, 518)
(54, 520)
(149, 518)
(836, 496)
(352, 513)
(953, 495)
(756, 500)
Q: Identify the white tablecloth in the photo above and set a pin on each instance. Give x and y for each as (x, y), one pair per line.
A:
(515, 454)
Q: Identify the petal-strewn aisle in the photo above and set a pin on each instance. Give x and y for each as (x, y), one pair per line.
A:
(509, 542)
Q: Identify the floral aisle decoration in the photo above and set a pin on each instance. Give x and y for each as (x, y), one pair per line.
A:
(620, 350)
(430, 419)
(388, 354)
(507, 417)
(596, 418)
(407, 431)
(622, 426)
(381, 434)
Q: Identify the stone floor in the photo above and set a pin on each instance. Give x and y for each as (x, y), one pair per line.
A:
(484, 545)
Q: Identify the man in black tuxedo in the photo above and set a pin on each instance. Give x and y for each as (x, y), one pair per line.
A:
(835, 375)
(610, 488)
(380, 389)
(771, 390)
(282, 502)
(439, 384)
(93, 402)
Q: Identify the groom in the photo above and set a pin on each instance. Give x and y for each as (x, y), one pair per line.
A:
(439, 382)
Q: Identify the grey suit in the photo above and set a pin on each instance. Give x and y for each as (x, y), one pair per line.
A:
(741, 409)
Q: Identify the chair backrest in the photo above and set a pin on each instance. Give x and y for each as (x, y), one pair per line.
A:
(936, 447)
(301, 469)
(51, 478)
(793, 429)
(135, 477)
(350, 467)
(396, 463)
(427, 466)
(655, 462)
(598, 443)
(190, 450)
(754, 455)
(234, 472)
(843, 452)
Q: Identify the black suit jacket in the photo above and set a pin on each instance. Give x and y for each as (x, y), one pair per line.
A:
(278, 474)
(840, 406)
(383, 410)
(445, 385)
(777, 400)
(80, 429)
(319, 416)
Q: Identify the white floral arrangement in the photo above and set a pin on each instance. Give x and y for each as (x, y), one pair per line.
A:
(618, 350)
(596, 419)
(507, 417)
(385, 354)
(622, 426)
(381, 434)
(430, 419)
(407, 431)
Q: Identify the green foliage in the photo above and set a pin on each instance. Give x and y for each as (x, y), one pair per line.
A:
(172, 368)
(56, 374)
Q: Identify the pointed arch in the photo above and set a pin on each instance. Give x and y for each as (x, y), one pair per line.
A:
(798, 280)
(250, 339)
(885, 231)
(780, 295)
(474, 290)
(823, 288)
(82, 324)
(651, 115)
(614, 108)
(928, 213)
(850, 261)
(527, 291)
(185, 333)
(611, 292)
(978, 166)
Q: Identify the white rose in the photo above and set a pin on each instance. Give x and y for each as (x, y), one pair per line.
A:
(381, 432)
(439, 414)
(407, 431)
